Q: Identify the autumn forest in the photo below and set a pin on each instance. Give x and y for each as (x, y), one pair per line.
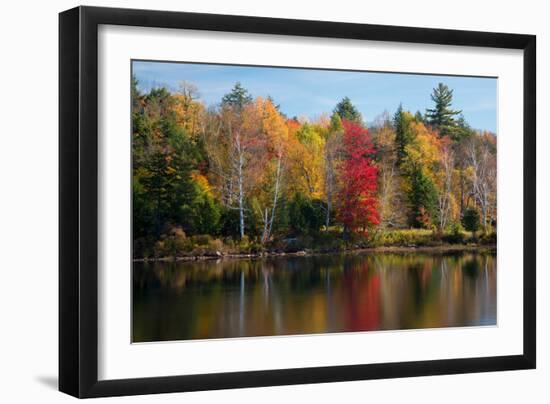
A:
(240, 176)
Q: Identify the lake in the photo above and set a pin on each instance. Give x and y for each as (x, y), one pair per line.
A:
(315, 294)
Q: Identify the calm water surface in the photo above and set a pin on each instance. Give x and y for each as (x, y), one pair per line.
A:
(303, 295)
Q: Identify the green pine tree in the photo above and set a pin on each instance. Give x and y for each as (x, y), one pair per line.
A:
(418, 117)
(347, 111)
(238, 97)
(464, 130)
(403, 131)
(470, 220)
(423, 200)
(442, 116)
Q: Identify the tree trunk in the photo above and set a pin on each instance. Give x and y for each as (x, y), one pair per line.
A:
(240, 185)
(329, 186)
(275, 195)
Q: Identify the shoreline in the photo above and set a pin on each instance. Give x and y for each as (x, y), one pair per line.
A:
(439, 249)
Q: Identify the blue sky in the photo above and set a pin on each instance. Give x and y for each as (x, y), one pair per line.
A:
(307, 92)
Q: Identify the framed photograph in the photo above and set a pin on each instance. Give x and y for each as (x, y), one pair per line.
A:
(251, 201)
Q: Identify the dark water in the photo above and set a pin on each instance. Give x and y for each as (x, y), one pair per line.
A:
(303, 295)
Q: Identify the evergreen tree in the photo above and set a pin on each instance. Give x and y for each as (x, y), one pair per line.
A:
(238, 97)
(470, 220)
(336, 123)
(442, 116)
(162, 165)
(403, 131)
(204, 214)
(306, 216)
(463, 131)
(135, 94)
(348, 112)
(423, 200)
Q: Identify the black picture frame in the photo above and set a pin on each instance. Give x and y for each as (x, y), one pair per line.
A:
(78, 201)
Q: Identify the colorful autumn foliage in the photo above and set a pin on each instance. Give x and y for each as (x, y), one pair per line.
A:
(244, 172)
(358, 208)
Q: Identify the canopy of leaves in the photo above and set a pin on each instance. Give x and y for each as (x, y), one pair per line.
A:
(358, 194)
(240, 170)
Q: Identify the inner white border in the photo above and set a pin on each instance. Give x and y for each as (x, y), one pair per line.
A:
(118, 358)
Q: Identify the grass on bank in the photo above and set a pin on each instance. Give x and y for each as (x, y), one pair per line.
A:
(177, 244)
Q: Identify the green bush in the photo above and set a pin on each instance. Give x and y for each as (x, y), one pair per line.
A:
(306, 216)
(229, 223)
(208, 214)
(248, 245)
(455, 234)
(173, 242)
(202, 240)
(208, 246)
(216, 246)
(329, 242)
(402, 238)
(470, 220)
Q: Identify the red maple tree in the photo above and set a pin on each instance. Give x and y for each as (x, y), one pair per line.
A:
(358, 190)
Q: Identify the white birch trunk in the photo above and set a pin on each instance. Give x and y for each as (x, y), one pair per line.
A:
(240, 181)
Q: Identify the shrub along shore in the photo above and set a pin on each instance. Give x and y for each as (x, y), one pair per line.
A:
(176, 246)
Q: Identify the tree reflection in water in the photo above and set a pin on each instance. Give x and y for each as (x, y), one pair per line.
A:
(320, 294)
